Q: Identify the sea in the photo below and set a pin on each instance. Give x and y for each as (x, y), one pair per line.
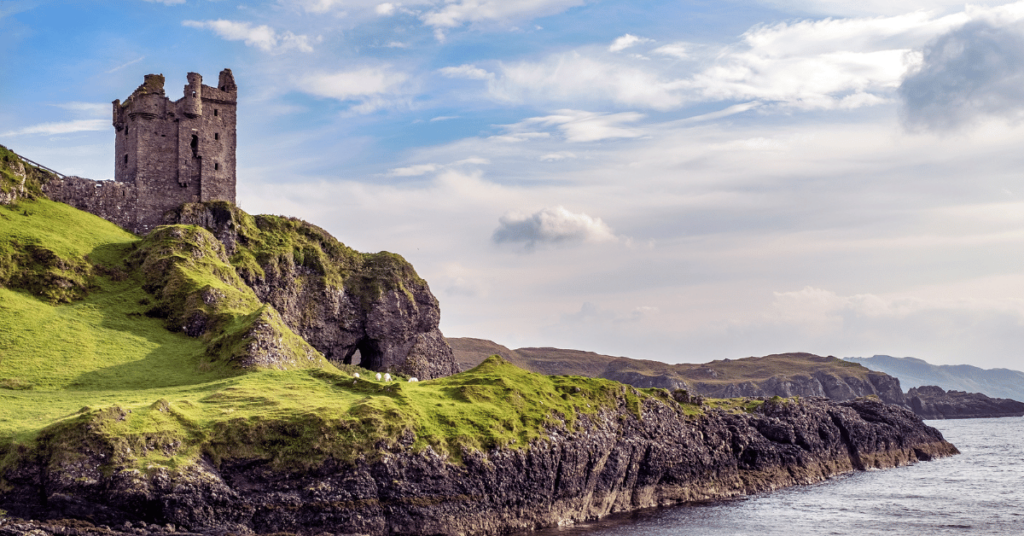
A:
(981, 491)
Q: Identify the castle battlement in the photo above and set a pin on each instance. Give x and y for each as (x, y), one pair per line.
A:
(166, 153)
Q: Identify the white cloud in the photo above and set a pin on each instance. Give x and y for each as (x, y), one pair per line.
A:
(386, 9)
(581, 126)
(373, 87)
(810, 64)
(675, 50)
(396, 44)
(458, 12)
(574, 77)
(87, 109)
(262, 37)
(471, 72)
(167, 2)
(317, 6)
(64, 127)
(414, 171)
(864, 8)
(553, 225)
(557, 157)
(626, 41)
(423, 169)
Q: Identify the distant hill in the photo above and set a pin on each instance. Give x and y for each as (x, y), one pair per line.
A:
(795, 374)
(913, 372)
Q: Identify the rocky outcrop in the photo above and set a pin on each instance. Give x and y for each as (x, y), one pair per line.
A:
(345, 304)
(833, 386)
(614, 461)
(19, 179)
(931, 402)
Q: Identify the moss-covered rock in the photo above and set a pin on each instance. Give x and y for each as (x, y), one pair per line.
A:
(339, 300)
(197, 291)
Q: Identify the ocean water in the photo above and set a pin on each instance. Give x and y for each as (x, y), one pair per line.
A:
(980, 491)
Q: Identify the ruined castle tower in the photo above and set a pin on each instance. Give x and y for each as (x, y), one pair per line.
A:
(176, 152)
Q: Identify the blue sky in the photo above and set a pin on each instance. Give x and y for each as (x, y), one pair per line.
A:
(670, 180)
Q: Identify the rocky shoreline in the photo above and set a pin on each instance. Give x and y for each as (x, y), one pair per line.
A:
(616, 461)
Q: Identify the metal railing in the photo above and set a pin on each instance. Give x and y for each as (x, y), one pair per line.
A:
(38, 165)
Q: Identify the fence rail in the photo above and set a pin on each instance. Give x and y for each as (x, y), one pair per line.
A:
(38, 165)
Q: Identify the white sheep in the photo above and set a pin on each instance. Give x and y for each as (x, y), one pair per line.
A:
(356, 375)
(387, 377)
(378, 376)
(414, 379)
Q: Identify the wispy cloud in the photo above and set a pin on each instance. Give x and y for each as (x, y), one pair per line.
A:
(470, 72)
(458, 12)
(167, 2)
(262, 37)
(130, 63)
(86, 109)
(581, 126)
(63, 127)
(675, 50)
(423, 169)
(372, 87)
(626, 41)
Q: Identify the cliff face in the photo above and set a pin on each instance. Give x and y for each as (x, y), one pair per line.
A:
(931, 402)
(820, 383)
(340, 301)
(617, 460)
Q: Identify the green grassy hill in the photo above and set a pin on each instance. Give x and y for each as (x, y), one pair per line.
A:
(94, 351)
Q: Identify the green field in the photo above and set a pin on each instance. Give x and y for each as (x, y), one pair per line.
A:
(84, 360)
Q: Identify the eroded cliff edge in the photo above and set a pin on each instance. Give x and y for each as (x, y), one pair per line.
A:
(338, 300)
(638, 452)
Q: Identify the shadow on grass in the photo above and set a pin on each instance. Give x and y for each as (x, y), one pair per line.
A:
(142, 352)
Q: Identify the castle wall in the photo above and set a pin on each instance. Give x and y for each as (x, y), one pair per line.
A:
(110, 200)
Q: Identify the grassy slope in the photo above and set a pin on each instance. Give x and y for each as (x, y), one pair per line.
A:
(156, 398)
(561, 361)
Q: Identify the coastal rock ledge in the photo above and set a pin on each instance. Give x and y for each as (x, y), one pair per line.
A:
(617, 460)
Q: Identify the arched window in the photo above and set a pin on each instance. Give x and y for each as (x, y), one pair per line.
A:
(193, 93)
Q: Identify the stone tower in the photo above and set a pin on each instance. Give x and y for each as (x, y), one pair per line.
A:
(175, 152)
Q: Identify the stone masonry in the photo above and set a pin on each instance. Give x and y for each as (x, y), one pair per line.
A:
(166, 153)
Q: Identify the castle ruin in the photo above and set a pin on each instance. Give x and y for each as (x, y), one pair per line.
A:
(166, 153)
